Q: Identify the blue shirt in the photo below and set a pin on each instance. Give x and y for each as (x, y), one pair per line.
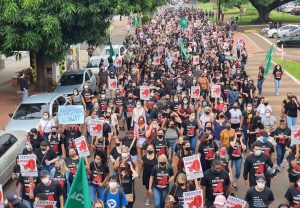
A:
(113, 200)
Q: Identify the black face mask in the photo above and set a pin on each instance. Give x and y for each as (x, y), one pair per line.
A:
(187, 148)
(53, 133)
(72, 130)
(181, 184)
(266, 104)
(160, 136)
(118, 144)
(162, 164)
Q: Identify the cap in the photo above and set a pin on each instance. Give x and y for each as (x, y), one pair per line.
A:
(13, 198)
(260, 177)
(44, 173)
(220, 200)
(264, 134)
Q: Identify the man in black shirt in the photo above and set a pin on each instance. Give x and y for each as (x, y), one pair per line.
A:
(190, 129)
(23, 87)
(215, 182)
(259, 195)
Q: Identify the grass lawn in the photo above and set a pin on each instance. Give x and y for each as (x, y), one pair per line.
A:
(292, 67)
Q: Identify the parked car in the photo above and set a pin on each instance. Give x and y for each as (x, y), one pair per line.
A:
(76, 79)
(12, 143)
(296, 10)
(30, 111)
(291, 40)
(93, 64)
(278, 33)
(288, 9)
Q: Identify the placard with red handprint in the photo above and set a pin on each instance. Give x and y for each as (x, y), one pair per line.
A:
(113, 84)
(81, 146)
(96, 128)
(28, 165)
(295, 137)
(196, 60)
(195, 92)
(45, 204)
(156, 60)
(216, 91)
(233, 202)
(175, 55)
(149, 42)
(193, 167)
(1, 196)
(144, 93)
(193, 199)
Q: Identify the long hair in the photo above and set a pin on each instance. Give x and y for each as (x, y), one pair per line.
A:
(63, 166)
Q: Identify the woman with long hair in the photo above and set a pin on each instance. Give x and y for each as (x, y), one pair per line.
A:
(139, 134)
(260, 79)
(45, 124)
(62, 176)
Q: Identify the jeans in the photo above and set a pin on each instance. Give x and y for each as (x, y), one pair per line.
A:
(260, 85)
(193, 141)
(24, 95)
(27, 203)
(238, 167)
(291, 121)
(95, 192)
(280, 150)
(277, 85)
(159, 195)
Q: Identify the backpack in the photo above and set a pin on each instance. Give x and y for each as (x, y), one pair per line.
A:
(120, 191)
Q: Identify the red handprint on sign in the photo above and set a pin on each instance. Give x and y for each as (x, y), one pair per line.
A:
(82, 146)
(218, 188)
(260, 169)
(30, 165)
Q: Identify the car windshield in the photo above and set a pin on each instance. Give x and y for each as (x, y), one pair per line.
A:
(31, 111)
(71, 79)
(107, 51)
(95, 63)
(6, 141)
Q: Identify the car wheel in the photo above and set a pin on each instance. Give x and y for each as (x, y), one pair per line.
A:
(274, 35)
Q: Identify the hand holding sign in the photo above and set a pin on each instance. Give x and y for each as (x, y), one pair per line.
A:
(193, 167)
(295, 137)
(195, 92)
(82, 147)
(144, 93)
(216, 91)
(112, 84)
(28, 165)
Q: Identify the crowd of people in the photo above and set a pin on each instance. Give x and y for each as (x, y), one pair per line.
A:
(148, 139)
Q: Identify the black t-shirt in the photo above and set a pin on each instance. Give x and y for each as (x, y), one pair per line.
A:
(114, 153)
(215, 183)
(267, 148)
(127, 183)
(129, 105)
(189, 128)
(35, 143)
(106, 130)
(69, 140)
(248, 118)
(98, 173)
(53, 192)
(48, 155)
(292, 195)
(235, 152)
(25, 182)
(277, 73)
(292, 109)
(61, 179)
(55, 143)
(208, 150)
(282, 132)
(295, 171)
(257, 199)
(23, 84)
(161, 176)
(127, 142)
(72, 165)
(161, 146)
(177, 192)
(87, 95)
(101, 145)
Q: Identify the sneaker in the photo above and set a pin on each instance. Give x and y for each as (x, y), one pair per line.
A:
(147, 202)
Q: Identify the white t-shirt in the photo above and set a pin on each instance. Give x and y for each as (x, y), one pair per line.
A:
(261, 109)
(45, 125)
(235, 116)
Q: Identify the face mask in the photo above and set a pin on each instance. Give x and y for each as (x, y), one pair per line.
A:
(97, 161)
(298, 184)
(72, 130)
(118, 144)
(222, 152)
(151, 94)
(108, 110)
(208, 128)
(53, 133)
(103, 97)
(217, 171)
(75, 93)
(138, 105)
(181, 184)
(249, 108)
(28, 147)
(260, 185)
(268, 114)
(57, 168)
(160, 136)
(124, 154)
(113, 185)
(228, 127)
(207, 112)
(221, 101)
(187, 148)
(264, 139)
(162, 164)
(86, 87)
(235, 107)
(185, 102)
(175, 100)
(192, 118)
(150, 152)
(45, 117)
(43, 148)
(257, 152)
(45, 180)
(266, 104)
(123, 173)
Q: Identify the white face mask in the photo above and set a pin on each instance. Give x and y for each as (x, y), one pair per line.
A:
(138, 105)
(108, 110)
(113, 185)
(268, 114)
(124, 154)
(260, 185)
(249, 108)
(298, 184)
(45, 117)
(45, 180)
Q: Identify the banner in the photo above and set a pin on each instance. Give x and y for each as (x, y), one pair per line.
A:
(1, 197)
(112, 84)
(144, 92)
(233, 202)
(45, 204)
(79, 196)
(196, 60)
(96, 128)
(193, 167)
(193, 199)
(28, 165)
(295, 137)
(216, 91)
(195, 92)
(268, 61)
(70, 114)
(156, 60)
(118, 62)
(81, 146)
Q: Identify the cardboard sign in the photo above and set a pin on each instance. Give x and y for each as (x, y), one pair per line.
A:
(195, 92)
(28, 165)
(160, 50)
(295, 137)
(142, 35)
(233, 202)
(96, 128)
(193, 199)
(175, 55)
(149, 42)
(71, 114)
(81, 146)
(196, 60)
(118, 62)
(112, 84)
(144, 92)
(216, 91)
(45, 204)
(1, 197)
(193, 167)
(156, 60)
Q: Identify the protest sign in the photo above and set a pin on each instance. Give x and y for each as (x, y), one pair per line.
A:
(81, 146)
(70, 114)
(45, 204)
(175, 55)
(195, 60)
(216, 91)
(118, 62)
(96, 128)
(233, 202)
(156, 60)
(295, 137)
(193, 167)
(142, 35)
(112, 84)
(195, 92)
(144, 93)
(28, 165)
(193, 199)
(149, 42)
(1, 197)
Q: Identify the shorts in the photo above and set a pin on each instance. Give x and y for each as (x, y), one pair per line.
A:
(89, 106)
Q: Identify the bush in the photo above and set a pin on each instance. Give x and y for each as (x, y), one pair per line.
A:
(146, 18)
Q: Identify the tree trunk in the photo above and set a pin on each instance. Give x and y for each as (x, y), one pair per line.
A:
(41, 79)
(263, 14)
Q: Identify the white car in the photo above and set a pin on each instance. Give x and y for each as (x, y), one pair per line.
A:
(93, 64)
(118, 49)
(12, 143)
(288, 9)
(30, 111)
(278, 33)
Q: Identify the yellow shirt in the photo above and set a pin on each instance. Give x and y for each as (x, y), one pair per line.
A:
(225, 136)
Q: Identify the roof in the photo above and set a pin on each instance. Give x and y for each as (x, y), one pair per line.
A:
(41, 98)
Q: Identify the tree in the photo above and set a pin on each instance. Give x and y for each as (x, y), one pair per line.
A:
(48, 28)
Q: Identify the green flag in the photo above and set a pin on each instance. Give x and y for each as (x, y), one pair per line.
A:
(111, 53)
(183, 23)
(79, 195)
(183, 51)
(268, 61)
(136, 21)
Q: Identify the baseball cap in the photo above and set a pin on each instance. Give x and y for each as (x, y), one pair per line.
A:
(260, 177)
(44, 173)
(220, 200)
